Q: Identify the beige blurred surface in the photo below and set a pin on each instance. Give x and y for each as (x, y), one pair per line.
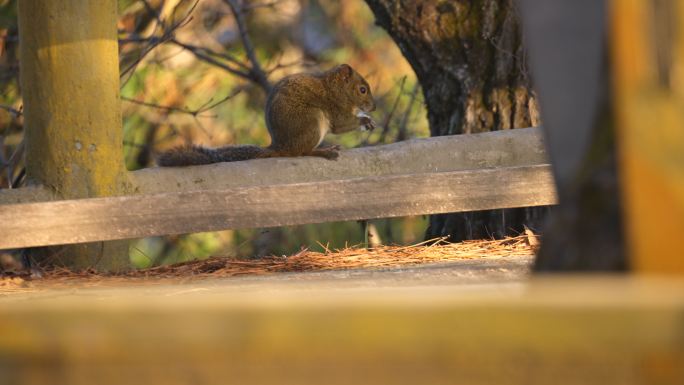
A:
(482, 322)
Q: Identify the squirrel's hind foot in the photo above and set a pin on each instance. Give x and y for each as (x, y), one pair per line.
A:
(330, 153)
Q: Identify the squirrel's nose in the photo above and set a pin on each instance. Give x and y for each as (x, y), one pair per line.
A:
(372, 106)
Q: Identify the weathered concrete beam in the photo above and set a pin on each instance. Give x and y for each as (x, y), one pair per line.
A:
(425, 176)
(510, 148)
(134, 216)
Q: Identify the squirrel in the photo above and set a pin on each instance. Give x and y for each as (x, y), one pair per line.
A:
(300, 110)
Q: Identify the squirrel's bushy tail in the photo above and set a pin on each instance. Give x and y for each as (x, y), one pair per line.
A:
(196, 155)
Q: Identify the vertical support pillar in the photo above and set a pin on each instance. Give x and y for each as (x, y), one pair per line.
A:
(566, 42)
(70, 84)
(648, 62)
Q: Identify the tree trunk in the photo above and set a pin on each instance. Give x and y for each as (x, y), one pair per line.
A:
(470, 61)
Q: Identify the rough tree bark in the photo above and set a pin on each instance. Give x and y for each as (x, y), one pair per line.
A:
(470, 61)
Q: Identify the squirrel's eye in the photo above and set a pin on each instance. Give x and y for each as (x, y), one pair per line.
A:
(362, 89)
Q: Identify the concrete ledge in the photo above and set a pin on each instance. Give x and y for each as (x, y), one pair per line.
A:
(519, 147)
(133, 216)
(510, 148)
(424, 176)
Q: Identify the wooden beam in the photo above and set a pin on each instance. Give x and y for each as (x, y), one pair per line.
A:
(591, 330)
(74, 221)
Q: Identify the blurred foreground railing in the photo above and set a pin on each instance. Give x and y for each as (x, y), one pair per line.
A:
(397, 328)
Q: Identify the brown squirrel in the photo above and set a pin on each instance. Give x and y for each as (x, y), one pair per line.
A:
(300, 110)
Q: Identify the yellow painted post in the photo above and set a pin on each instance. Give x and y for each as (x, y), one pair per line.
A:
(70, 84)
(648, 63)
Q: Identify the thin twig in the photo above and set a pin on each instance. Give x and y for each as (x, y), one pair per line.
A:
(265, 4)
(402, 135)
(202, 54)
(388, 118)
(256, 72)
(167, 34)
(13, 111)
(195, 113)
(151, 10)
(11, 166)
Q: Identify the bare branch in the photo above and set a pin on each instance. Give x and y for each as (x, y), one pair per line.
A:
(135, 39)
(402, 134)
(13, 111)
(253, 72)
(207, 56)
(150, 9)
(11, 165)
(131, 68)
(265, 4)
(195, 113)
(167, 34)
(256, 73)
(172, 134)
(390, 115)
(19, 179)
(280, 65)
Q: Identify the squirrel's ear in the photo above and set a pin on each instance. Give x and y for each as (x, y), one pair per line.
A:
(344, 71)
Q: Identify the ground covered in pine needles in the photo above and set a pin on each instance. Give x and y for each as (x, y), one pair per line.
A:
(303, 261)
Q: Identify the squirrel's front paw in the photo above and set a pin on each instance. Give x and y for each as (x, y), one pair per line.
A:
(367, 124)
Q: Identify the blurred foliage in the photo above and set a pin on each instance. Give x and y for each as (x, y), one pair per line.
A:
(11, 121)
(167, 88)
